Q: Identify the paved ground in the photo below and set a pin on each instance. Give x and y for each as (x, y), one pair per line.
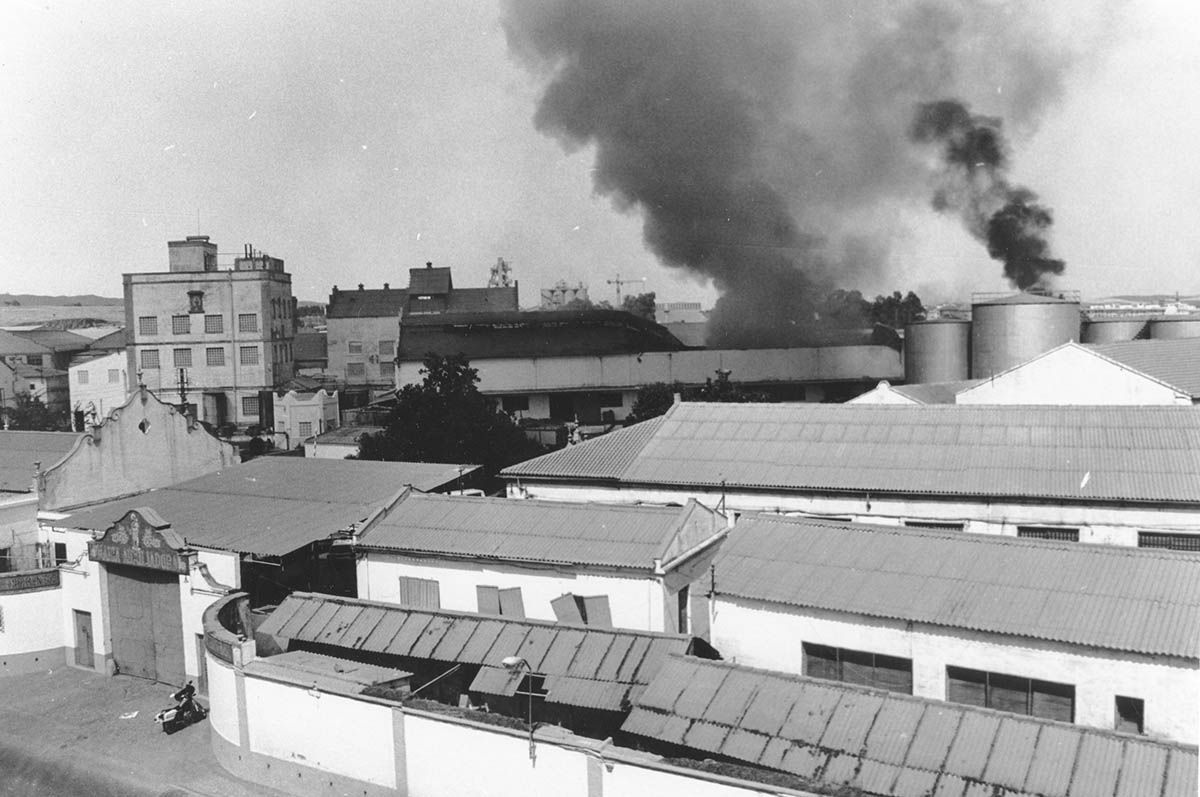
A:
(69, 732)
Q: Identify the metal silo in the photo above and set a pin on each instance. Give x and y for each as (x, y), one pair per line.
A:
(1175, 327)
(1114, 330)
(937, 351)
(1008, 330)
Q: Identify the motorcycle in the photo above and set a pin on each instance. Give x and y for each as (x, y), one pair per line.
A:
(185, 711)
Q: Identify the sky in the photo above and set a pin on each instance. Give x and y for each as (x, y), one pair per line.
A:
(358, 140)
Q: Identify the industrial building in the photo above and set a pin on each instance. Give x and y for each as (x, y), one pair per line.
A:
(1120, 475)
(221, 339)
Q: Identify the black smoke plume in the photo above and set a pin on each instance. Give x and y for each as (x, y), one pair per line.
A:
(974, 184)
(764, 143)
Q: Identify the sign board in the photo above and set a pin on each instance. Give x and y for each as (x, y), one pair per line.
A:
(140, 539)
(28, 581)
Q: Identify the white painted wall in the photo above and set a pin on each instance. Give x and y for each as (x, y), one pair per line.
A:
(29, 624)
(318, 729)
(772, 636)
(81, 590)
(1072, 375)
(196, 594)
(883, 393)
(223, 699)
(101, 392)
(635, 602)
(1111, 525)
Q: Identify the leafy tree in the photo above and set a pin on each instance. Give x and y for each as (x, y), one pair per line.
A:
(655, 399)
(29, 413)
(641, 305)
(447, 419)
(722, 389)
(896, 311)
(651, 401)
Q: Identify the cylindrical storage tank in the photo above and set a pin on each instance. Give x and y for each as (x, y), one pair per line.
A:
(1175, 327)
(1010, 330)
(937, 351)
(1113, 330)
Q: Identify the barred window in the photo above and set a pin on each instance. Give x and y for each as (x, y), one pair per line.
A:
(214, 323)
(114, 375)
(355, 370)
(150, 358)
(214, 355)
(387, 348)
(82, 377)
(250, 405)
(248, 355)
(247, 322)
(183, 358)
(355, 346)
(1174, 542)
(1048, 533)
(148, 325)
(181, 325)
(305, 429)
(387, 370)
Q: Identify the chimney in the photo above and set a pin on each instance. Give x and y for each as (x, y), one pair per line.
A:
(360, 286)
(428, 264)
(387, 287)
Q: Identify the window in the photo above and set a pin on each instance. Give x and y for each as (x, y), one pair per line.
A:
(149, 358)
(354, 346)
(214, 323)
(420, 593)
(515, 403)
(6, 564)
(60, 553)
(183, 358)
(356, 370)
(81, 377)
(609, 399)
(33, 359)
(504, 602)
(1011, 693)
(114, 375)
(1048, 533)
(148, 325)
(583, 609)
(305, 429)
(214, 355)
(387, 370)
(1174, 542)
(181, 325)
(1131, 714)
(247, 322)
(248, 355)
(858, 667)
(935, 525)
(387, 348)
(195, 301)
(250, 406)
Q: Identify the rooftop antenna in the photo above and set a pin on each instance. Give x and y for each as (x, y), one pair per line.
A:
(619, 282)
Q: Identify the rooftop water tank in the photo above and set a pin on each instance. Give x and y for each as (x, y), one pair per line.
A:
(1175, 327)
(937, 351)
(1009, 330)
(1114, 330)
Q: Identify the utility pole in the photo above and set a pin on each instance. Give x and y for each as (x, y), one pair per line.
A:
(619, 282)
(183, 387)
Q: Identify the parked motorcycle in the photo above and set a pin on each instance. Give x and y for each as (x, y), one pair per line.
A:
(185, 711)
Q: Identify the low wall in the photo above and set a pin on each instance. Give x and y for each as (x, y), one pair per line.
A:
(316, 743)
(31, 635)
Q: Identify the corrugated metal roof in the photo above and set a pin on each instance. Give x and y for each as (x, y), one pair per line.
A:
(1176, 362)
(12, 343)
(327, 673)
(1120, 598)
(580, 680)
(367, 303)
(271, 505)
(615, 535)
(1079, 454)
(20, 450)
(890, 744)
(935, 392)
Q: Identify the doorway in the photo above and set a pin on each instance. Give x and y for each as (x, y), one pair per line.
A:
(84, 650)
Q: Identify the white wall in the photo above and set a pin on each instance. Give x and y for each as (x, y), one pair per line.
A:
(1111, 525)
(196, 594)
(635, 602)
(103, 395)
(29, 623)
(1071, 375)
(772, 636)
(81, 590)
(882, 394)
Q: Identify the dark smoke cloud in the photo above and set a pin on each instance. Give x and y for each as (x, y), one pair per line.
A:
(974, 184)
(764, 143)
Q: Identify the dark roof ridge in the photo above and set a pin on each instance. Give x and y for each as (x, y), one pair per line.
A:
(572, 505)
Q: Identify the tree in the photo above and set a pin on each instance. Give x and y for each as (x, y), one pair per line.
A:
(447, 419)
(896, 311)
(641, 305)
(651, 401)
(29, 413)
(655, 399)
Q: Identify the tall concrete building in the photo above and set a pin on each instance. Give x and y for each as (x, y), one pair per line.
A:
(224, 337)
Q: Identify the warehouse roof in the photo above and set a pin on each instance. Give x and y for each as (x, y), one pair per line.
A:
(1070, 453)
(1060, 591)
(889, 744)
(12, 343)
(608, 535)
(19, 450)
(366, 303)
(583, 666)
(1176, 362)
(272, 505)
(935, 392)
(56, 339)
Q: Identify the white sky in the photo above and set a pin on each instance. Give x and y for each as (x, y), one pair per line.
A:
(357, 140)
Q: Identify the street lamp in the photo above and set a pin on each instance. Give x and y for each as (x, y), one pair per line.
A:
(516, 664)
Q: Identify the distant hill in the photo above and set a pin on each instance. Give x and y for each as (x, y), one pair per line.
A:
(35, 300)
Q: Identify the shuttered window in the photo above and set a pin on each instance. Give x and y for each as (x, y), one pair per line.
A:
(586, 609)
(420, 593)
(511, 604)
(1011, 693)
(858, 667)
(488, 598)
(1131, 713)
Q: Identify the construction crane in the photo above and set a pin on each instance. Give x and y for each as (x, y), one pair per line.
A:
(619, 282)
(501, 275)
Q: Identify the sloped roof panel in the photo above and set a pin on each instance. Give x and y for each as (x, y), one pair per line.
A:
(20, 450)
(601, 458)
(1176, 362)
(1120, 598)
